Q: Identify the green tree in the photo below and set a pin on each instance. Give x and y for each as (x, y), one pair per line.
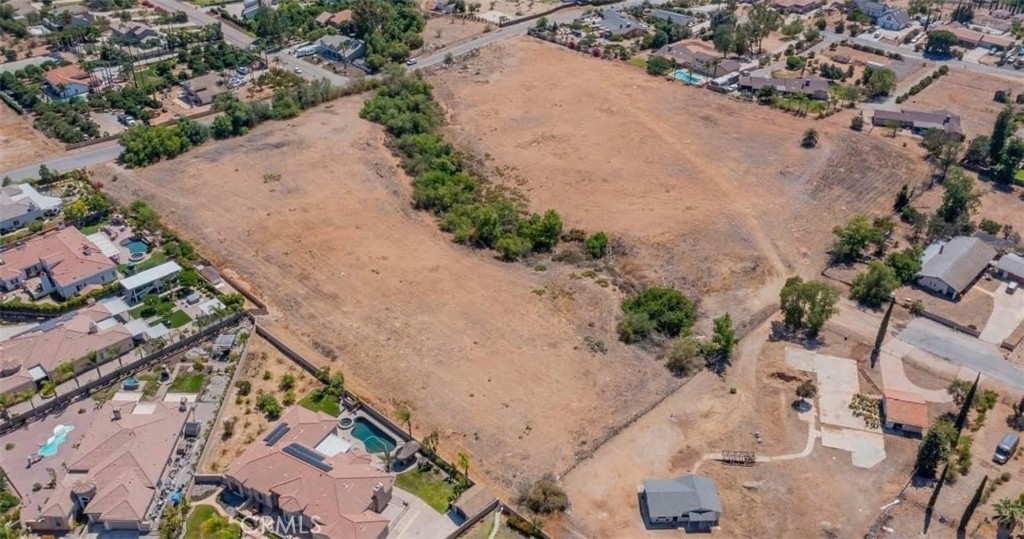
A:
(940, 42)
(906, 263)
(1009, 162)
(659, 65)
(286, 382)
(597, 245)
(959, 200)
(723, 38)
(1009, 512)
(879, 81)
(855, 236)
(935, 448)
(464, 463)
(807, 305)
(512, 247)
(763, 20)
(723, 343)
(1002, 130)
(76, 210)
(977, 151)
(873, 287)
(268, 404)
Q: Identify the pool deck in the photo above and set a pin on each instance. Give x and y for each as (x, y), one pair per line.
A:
(356, 442)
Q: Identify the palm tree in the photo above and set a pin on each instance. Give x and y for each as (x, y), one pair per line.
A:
(1009, 512)
(49, 388)
(114, 351)
(92, 358)
(404, 415)
(388, 457)
(66, 370)
(464, 463)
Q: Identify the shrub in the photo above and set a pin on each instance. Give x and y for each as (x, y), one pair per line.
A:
(597, 245)
(685, 357)
(917, 307)
(287, 382)
(544, 496)
(635, 327)
(268, 404)
(857, 122)
(666, 309)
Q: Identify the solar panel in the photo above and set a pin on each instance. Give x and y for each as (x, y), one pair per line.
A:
(308, 456)
(276, 434)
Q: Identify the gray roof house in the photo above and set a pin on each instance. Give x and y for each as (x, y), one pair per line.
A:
(341, 48)
(617, 23)
(1011, 267)
(893, 19)
(672, 16)
(814, 88)
(689, 502)
(950, 268)
(919, 121)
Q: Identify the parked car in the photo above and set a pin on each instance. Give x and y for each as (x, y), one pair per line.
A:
(1011, 288)
(298, 71)
(411, 62)
(1006, 448)
(243, 70)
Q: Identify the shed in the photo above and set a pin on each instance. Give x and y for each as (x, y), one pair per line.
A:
(474, 501)
(689, 501)
(905, 411)
(1011, 267)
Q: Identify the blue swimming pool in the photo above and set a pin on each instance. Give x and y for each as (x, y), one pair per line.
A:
(688, 77)
(53, 443)
(137, 247)
(375, 439)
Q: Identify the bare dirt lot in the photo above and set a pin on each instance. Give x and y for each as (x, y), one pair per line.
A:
(968, 94)
(19, 143)
(442, 32)
(354, 275)
(704, 193)
(835, 498)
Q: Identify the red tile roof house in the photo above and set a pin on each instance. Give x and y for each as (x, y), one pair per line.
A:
(970, 38)
(113, 474)
(905, 412)
(65, 261)
(29, 357)
(68, 82)
(301, 470)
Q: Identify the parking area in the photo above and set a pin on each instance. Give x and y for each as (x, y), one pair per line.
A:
(1007, 314)
(838, 382)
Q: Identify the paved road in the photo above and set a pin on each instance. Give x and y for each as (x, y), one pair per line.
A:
(103, 152)
(962, 349)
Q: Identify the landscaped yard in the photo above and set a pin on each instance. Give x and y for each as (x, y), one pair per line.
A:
(154, 260)
(429, 486)
(187, 382)
(165, 305)
(206, 523)
(178, 319)
(327, 403)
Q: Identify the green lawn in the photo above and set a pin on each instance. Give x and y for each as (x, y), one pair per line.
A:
(428, 486)
(1019, 176)
(178, 319)
(154, 260)
(187, 382)
(94, 228)
(205, 523)
(639, 61)
(165, 302)
(327, 404)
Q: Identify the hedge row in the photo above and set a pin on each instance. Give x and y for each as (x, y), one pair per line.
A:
(923, 83)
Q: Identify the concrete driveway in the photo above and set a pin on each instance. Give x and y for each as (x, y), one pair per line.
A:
(419, 521)
(962, 349)
(1007, 314)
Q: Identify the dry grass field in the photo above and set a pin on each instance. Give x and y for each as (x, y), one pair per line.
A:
(704, 193)
(20, 144)
(442, 32)
(356, 277)
(968, 94)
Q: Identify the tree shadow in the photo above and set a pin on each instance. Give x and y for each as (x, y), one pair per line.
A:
(781, 332)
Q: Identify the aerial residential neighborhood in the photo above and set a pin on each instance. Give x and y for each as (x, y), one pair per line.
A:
(383, 269)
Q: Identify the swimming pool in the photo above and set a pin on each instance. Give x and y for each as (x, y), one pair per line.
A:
(137, 247)
(375, 439)
(53, 443)
(688, 77)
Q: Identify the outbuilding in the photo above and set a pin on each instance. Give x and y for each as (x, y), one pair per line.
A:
(689, 502)
(905, 412)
